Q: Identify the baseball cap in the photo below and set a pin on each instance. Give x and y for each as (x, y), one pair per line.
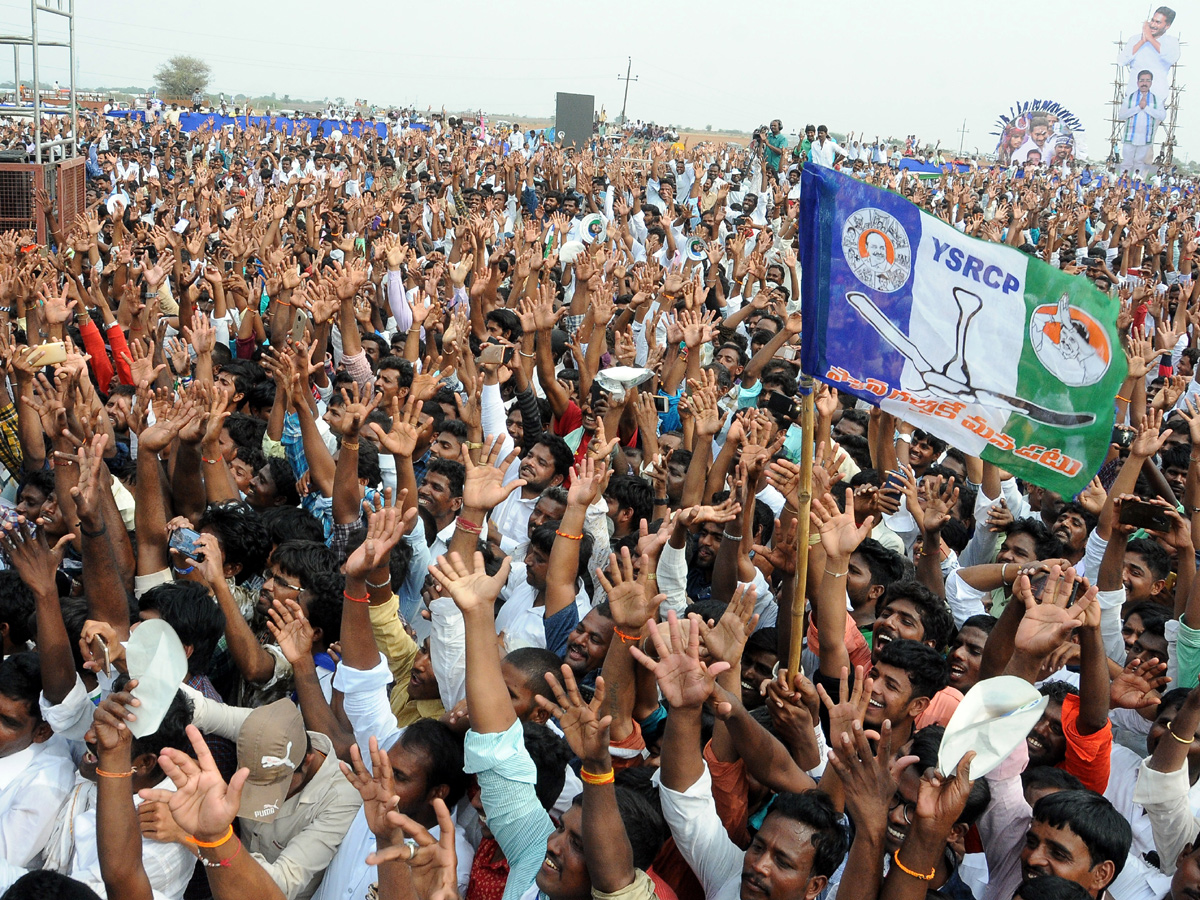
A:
(271, 744)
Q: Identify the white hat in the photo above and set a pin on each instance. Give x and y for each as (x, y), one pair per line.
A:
(155, 657)
(570, 251)
(992, 719)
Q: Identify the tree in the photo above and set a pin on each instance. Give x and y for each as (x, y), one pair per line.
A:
(181, 75)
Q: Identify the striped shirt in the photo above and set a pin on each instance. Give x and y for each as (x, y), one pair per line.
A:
(1140, 123)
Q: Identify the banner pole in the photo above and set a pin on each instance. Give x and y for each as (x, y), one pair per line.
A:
(802, 525)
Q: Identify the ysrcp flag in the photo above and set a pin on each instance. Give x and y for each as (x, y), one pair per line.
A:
(991, 350)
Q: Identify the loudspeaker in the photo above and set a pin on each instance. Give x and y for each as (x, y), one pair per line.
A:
(16, 155)
(573, 119)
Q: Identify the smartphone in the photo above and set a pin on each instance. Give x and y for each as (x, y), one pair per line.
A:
(100, 653)
(50, 353)
(1122, 436)
(1038, 585)
(229, 265)
(782, 405)
(491, 354)
(662, 404)
(299, 325)
(1140, 514)
(185, 541)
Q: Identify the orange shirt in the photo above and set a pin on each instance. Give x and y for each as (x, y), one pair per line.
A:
(1088, 755)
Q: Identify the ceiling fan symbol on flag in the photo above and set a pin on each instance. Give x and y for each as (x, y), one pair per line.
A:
(953, 379)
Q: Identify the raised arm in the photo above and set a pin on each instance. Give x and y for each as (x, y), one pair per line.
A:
(606, 846)
(840, 536)
(475, 593)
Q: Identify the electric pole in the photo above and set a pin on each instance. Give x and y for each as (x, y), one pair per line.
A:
(962, 134)
(626, 79)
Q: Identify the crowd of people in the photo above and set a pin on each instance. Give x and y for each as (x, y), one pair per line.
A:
(465, 468)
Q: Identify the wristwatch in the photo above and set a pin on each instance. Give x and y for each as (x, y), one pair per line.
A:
(903, 436)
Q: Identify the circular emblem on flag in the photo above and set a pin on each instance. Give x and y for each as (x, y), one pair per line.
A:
(1070, 343)
(876, 248)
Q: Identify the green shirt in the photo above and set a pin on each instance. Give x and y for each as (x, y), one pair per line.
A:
(776, 144)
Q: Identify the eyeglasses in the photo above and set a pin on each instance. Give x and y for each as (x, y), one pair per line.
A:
(910, 808)
(279, 582)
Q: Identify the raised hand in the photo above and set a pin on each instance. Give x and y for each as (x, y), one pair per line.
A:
(726, 639)
(851, 708)
(483, 486)
(433, 864)
(631, 600)
(358, 405)
(937, 505)
(470, 588)
(202, 804)
(868, 777)
(585, 729)
(941, 800)
(31, 556)
(1138, 685)
(377, 789)
(291, 630)
(683, 679)
(386, 524)
(840, 536)
(588, 480)
(1047, 624)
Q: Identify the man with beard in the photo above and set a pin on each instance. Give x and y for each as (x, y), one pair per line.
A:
(1072, 527)
(547, 464)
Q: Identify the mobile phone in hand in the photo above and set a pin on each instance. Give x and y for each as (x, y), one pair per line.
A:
(1141, 514)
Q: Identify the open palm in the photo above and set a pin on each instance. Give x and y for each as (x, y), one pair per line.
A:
(683, 679)
(840, 536)
(202, 804)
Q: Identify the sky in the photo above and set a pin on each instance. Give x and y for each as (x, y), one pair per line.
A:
(873, 68)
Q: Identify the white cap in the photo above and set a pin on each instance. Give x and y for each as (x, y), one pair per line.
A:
(992, 719)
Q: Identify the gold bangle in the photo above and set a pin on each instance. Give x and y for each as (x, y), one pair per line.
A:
(349, 445)
(907, 871)
(1190, 740)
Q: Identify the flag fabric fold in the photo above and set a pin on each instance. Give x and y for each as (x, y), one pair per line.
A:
(995, 352)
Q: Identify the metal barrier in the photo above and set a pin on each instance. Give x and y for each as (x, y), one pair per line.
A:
(63, 181)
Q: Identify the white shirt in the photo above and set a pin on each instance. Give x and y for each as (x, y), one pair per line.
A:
(522, 623)
(34, 784)
(73, 851)
(822, 154)
(366, 704)
(701, 838)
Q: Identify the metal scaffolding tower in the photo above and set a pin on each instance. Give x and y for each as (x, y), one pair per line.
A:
(1167, 153)
(1117, 126)
(44, 150)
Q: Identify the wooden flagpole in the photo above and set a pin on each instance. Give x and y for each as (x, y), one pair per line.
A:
(802, 525)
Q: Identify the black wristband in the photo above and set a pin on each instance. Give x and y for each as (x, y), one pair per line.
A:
(93, 534)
